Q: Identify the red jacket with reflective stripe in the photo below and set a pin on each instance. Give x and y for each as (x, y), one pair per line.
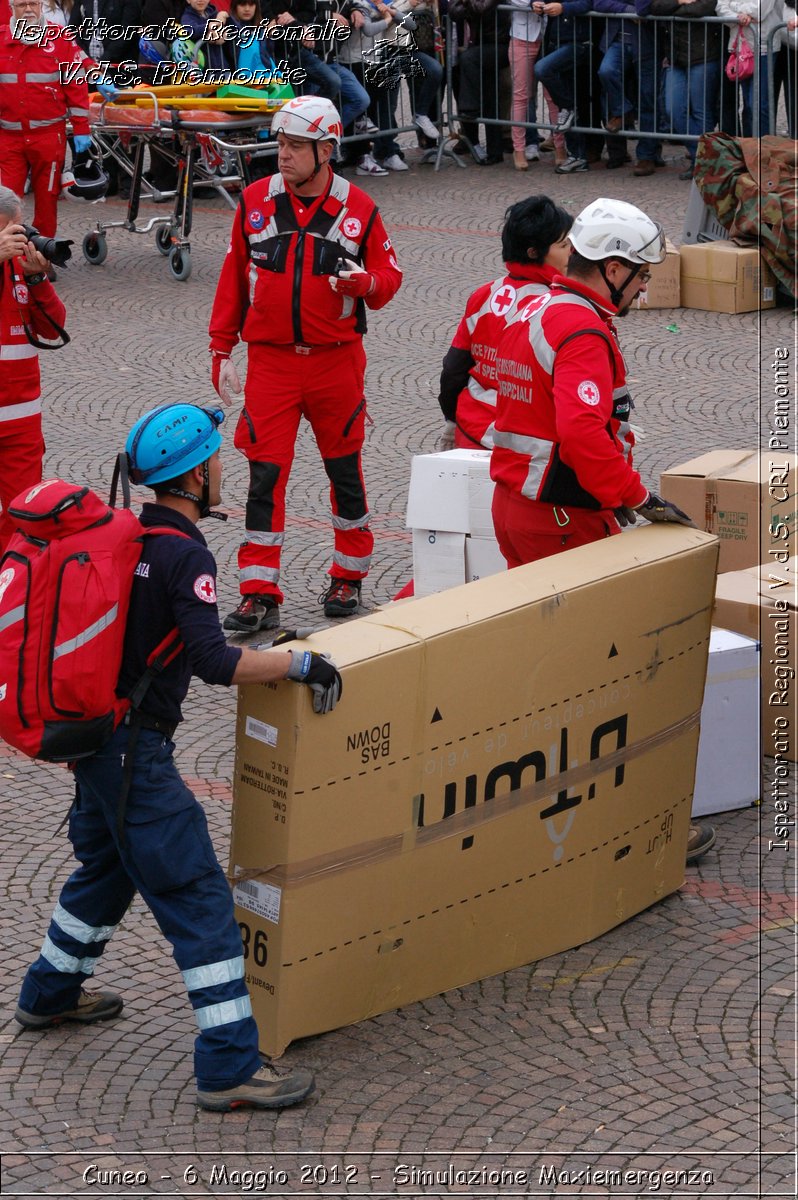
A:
(32, 93)
(20, 381)
(472, 373)
(562, 423)
(274, 285)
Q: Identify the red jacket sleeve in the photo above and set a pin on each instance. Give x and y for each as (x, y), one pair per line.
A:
(232, 291)
(45, 302)
(380, 260)
(583, 403)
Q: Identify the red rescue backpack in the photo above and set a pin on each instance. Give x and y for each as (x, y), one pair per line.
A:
(65, 584)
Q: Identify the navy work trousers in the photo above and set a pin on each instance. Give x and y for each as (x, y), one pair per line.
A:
(167, 856)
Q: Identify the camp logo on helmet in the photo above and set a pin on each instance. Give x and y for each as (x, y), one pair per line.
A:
(172, 425)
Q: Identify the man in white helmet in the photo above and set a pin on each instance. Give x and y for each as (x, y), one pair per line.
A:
(308, 254)
(562, 451)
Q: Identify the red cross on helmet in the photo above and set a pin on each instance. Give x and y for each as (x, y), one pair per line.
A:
(310, 117)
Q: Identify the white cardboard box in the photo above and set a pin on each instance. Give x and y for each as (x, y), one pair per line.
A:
(483, 557)
(727, 771)
(438, 561)
(439, 489)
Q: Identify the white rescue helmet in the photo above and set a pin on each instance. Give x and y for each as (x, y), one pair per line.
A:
(311, 117)
(615, 229)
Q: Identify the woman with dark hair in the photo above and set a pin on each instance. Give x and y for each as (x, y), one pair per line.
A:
(535, 248)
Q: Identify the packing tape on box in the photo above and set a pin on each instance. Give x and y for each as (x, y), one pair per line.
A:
(462, 824)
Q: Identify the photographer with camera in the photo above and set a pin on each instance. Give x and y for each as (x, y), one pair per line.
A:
(35, 104)
(30, 311)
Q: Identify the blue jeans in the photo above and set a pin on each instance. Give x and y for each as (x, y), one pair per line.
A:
(631, 56)
(760, 102)
(691, 99)
(166, 855)
(426, 88)
(331, 80)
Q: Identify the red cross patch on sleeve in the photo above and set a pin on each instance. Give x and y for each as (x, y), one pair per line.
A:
(205, 588)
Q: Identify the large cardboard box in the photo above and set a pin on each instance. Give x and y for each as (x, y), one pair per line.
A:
(762, 603)
(663, 289)
(728, 770)
(748, 499)
(509, 773)
(723, 277)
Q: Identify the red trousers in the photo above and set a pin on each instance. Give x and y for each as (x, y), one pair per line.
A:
(527, 530)
(21, 454)
(326, 387)
(42, 152)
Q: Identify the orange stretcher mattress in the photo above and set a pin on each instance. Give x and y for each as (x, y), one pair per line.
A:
(128, 114)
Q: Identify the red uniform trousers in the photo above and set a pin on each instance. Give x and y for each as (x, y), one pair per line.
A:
(527, 530)
(42, 152)
(325, 385)
(21, 455)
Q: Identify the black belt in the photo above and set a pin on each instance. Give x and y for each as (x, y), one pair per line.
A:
(144, 721)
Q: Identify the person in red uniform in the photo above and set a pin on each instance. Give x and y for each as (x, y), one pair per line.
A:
(535, 248)
(562, 452)
(308, 253)
(35, 103)
(29, 307)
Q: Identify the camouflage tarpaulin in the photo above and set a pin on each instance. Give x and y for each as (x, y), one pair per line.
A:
(750, 184)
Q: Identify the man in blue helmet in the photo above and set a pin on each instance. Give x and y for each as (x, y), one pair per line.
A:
(157, 843)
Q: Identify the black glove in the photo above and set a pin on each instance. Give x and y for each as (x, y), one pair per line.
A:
(657, 509)
(321, 676)
(625, 516)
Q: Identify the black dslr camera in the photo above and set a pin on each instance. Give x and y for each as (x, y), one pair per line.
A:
(56, 250)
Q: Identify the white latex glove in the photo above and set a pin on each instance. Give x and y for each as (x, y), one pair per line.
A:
(226, 381)
(446, 440)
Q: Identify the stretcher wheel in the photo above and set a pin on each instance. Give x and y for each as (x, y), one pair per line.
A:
(180, 263)
(163, 239)
(95, 248)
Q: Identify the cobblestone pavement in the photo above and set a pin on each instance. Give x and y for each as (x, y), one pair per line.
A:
(667, 1044)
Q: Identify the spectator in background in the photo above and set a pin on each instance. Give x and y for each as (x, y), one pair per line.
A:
(526, 36)
(366, 24)
(628, 77)
(206, 23)
(566, 73)
(691, 81)
(479, 66)
(755, 20)
(786, 68)
(118, 15)
(57, 12)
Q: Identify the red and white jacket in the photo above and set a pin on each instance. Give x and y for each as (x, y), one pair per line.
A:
(274, 284)
(20, 380)
(32, 94)
(562, 417)
(468, 379)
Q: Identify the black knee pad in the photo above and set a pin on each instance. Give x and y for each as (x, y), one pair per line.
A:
(350, 496)
(260, 502)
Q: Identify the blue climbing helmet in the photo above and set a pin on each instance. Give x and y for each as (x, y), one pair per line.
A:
(166, 443)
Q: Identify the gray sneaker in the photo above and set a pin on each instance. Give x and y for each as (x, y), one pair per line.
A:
(269, 1087)
(570, 165)
(253, 613)
(91, 1007)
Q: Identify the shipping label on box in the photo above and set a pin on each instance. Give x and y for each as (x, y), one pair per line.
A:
(663, 288)
(724, 277)
(747, 498)
(762, 602)
(509, 773)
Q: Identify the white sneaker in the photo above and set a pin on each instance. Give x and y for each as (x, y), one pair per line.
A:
(364, 125)
(395, 163)
(480, 153)
(369, 166)
(426, 126)
(531, 153)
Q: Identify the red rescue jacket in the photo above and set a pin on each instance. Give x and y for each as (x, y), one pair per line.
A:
(274, 282)
(32, 93)
(20, 380)
(562, 419)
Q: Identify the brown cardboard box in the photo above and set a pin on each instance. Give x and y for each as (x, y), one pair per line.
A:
(761, 603)
(748, 499)
(509, 773)
(724, 277)
(663, 290)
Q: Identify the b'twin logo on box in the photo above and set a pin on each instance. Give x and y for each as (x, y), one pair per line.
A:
(514, 774)
(371, 743)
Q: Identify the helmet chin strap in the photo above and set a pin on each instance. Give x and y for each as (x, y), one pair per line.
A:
(202, 501)
(616, 294)
(315, 170)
